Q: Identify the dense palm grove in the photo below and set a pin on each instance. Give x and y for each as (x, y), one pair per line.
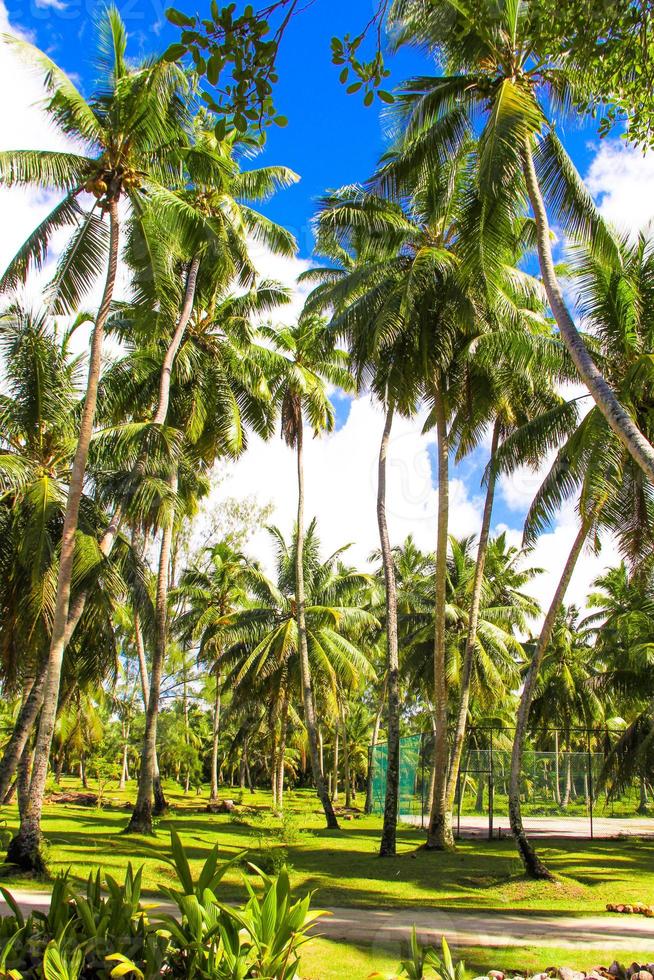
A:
(130, 656)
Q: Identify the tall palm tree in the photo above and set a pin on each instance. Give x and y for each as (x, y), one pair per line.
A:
(365, 234)
(309, 359)
(566, 696)
(40, 409)
(218, 388)
(211, 592)
(505, 399)
(592, 462)
(620, 625)
(197, 253)
(266, 651)
(493, 68)
(129, 129)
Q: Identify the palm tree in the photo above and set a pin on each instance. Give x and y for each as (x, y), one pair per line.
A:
(365, 234)
(39, 410)
(266, 650)
(198, 252)
(565, 696)
(218, 387)
(309, 358)
(490, 52)
(593, 462)
(621, 627)
(129, 129)
(38, 429)
(506, 399)
(211, 593)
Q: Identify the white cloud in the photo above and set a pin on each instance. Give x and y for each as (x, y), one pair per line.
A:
(341, 468)
(57, 5)
(550, 554)
(621, 178)
(341, 485)
(24, 125)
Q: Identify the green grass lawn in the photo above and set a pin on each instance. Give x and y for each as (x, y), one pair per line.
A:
(327, 960)
(343, 867)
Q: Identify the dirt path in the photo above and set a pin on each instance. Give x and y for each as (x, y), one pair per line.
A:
(604, 828)
(380, 927)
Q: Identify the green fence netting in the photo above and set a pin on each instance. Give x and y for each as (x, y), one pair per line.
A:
(553, 783)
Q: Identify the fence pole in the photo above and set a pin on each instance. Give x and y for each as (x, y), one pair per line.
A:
(590, 783)
(422, 780)
(491, 790)
(458, 804)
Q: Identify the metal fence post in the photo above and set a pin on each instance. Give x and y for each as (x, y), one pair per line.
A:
(590, 783)
(458, 804)
(422, 780)
(491, 790)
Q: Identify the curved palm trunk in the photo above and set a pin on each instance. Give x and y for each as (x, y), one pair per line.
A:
(281, 754)
(29, 711)
(305, 669)
(23, 727)
(387, 846)
(533, 865)
(141, 819)
(471, 639)
(24, 849)
(347, 776)
(159, 798)
(613, 411)
(439, 835)
(124, 769)
(108, 539)
(23, 778)
(215, 741)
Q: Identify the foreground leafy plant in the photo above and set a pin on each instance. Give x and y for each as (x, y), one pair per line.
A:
(425, 961)
(112, 935)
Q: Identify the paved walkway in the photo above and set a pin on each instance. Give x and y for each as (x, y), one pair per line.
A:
(604, 828)
(379, 927)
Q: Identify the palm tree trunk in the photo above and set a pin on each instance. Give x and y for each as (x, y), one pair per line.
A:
(440, 836)
(281, 752)
(124, 770)
(533, 865)
(346, 760)
(248, 774)
(27, 718)
(23, 778)
(215, 740)
(25, 849)
(613, 411)
(568, 780)
(159, 798)
(141, 819)
(110, 535)
(479, 802)
(335, 763)
(471, 639)
(22, 730)
(374, 738)
(305, 668)
(387, 846)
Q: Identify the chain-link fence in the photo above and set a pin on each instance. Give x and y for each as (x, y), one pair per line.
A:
(557, 783)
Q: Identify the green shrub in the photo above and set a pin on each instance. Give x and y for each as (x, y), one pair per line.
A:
(103, 934)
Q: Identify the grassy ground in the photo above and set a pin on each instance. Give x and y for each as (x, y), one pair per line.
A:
(343, 867)
(328, 960)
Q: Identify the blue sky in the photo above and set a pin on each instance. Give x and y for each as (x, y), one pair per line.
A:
(331, 139)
